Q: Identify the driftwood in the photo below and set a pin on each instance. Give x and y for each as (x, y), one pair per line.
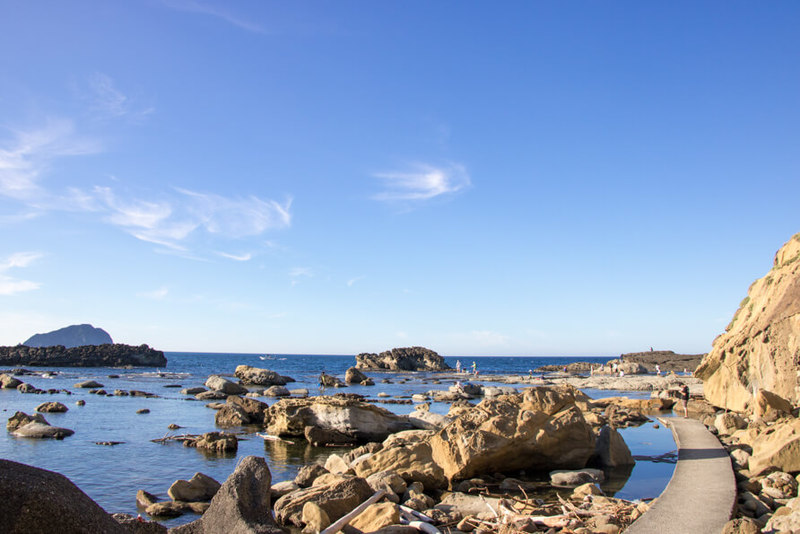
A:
(345, 519)
(270, 437)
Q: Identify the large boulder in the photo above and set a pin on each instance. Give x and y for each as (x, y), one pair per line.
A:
(330, 381)
(20, 419)
(239, 411)
(260, 377)
(768, 406)
(727, 423)
(9, 382)
(354, 376)
(540, 429)
(335, 499)
(611, 449)
(351, 417)
(760, 345)
(403, 359)
(39, 430)
(785, 518)
(242, 504)
(36, 500)
(412, 461)
(218, 383)
(777, 447)
(51, 407)
(198, 488)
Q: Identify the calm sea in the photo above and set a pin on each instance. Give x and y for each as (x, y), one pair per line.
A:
(111, 475)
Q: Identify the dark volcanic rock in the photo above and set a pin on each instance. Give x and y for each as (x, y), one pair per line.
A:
(403, 359)
(76, 335)
(117, 355)
(35, 500)
(242, 504)
(666, 359)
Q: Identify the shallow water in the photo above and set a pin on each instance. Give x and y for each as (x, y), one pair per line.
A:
(111, 475)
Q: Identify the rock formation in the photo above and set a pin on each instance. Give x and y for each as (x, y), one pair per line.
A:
(241, 506)
(260, 377)
(403, 359)
(360, 420)
(36, 500)
(760, 348)
(76, 335)
(116, 355)
(540, 429)
(667, 360)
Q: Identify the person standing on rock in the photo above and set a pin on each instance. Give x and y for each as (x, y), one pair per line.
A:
(685, 400)
(458, 366)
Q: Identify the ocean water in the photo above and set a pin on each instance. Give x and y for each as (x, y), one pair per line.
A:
(111, 475)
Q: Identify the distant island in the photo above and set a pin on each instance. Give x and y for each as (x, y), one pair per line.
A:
(77, 335)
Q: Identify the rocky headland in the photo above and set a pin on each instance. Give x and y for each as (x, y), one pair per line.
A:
(75, 335)
(402, 359)
(113, 355)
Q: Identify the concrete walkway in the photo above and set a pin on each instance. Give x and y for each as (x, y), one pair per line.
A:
(700, 497)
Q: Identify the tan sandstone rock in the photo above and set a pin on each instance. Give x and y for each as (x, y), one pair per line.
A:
(540, 429)
(377, 516)
(778, 447)
(413, 462)
(759, 347)
(335, 499)
(360, 420)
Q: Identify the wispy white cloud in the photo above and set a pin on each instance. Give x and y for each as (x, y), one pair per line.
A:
(10, 285)
(170, 221)
(177, 219)
(30, 153)
(206, 8)
(107, 100)
(236, 257)
(423, 182)
(237, 217)
(156, 294)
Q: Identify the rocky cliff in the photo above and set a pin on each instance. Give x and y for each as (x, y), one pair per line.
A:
(76, 335)
(116, 355)
(403, 359)
(761, 346)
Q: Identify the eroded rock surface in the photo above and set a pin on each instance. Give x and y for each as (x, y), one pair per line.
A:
(541, 428)
(760, 345)
(403, 359)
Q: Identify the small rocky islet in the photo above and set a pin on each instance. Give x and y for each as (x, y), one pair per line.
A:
(454, 471)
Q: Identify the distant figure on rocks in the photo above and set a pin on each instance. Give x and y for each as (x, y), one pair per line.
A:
(685, 400)
(651, 349)
(658, 369)
(458, 366)
(474, 368)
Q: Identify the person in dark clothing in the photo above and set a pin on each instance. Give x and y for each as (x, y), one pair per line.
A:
(685, 400)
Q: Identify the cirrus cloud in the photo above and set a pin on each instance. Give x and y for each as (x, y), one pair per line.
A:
(422, 182)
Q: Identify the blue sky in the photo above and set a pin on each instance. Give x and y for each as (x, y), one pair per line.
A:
(482, 178)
